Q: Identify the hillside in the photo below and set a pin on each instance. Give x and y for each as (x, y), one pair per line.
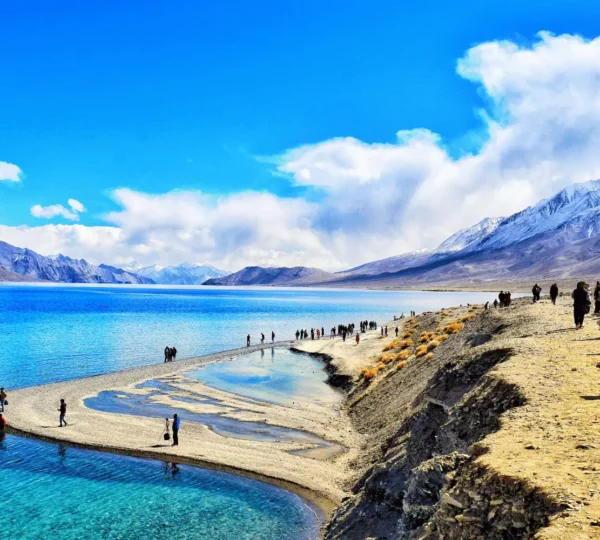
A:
(256, 275)
(32, 266)
(491, 436)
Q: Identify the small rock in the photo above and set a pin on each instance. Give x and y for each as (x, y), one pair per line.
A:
(449, 500)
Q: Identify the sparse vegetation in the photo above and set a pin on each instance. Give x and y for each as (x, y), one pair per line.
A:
(429, 356)
(403, 355)
(421, 351)
(453, 328)
(400, 365)
(432, 344)
(368, 373)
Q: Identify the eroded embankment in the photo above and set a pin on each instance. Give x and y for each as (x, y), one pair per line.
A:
(459, 441)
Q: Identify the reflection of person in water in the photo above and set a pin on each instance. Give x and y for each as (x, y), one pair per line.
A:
(62, 453)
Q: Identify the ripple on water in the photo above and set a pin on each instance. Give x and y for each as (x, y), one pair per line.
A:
(53, 491)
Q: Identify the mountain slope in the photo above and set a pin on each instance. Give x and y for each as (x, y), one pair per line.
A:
(557, 237)
(257, 275)
(33, 266)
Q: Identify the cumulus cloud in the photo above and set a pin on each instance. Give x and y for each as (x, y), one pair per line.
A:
(55, 210)
(540, 124)
(10, 172)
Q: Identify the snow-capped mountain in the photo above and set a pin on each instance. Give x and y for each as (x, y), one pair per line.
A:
(470, 237)
(182, 274)
(575, 208)
(557, 237)
(33, 266)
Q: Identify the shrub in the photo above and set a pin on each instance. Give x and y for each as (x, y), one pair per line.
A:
(403, 355)
(368, 373)
(432, 345)
(400, 365)
(429, 356)
(468, 317)
(406, 343)
(421, 351)
(390, 346)
(386, 358)
(453, 328)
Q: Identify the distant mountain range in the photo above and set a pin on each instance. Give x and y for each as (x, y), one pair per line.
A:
(558, 237)
(183, 274)
(18, 264)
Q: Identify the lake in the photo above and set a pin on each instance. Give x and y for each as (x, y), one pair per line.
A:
(51, 333)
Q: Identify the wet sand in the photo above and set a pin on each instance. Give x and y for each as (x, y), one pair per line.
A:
(297, 465)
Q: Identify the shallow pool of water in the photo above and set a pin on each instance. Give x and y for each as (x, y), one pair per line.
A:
(54, 491)
(144, 405)
(277, 375)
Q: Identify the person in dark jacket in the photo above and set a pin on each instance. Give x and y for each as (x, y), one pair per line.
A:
(553, 293)
(597, 297)
(581, 303)
(63, 412)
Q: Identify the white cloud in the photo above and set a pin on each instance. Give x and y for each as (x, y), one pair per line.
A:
(54, 210)
(76, 206)
(541, 126)
(10, 172)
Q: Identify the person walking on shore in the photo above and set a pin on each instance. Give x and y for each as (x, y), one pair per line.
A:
(272, 336)
(63, 413)
(167, 354)
(2, 423)
(248, 340)
(581, 303)
(176, 426)
(597, 298)
(554, 293)
(297, 334)
(262, 338)
(3, 400)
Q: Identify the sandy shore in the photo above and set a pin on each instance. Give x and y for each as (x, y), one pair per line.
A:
(313, 473)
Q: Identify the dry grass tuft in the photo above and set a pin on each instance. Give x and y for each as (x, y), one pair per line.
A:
(400, 365)
(443, 337)
(368, 373)
(429, 356)
(468, 317)
(386, 358)
(432, 344)
(421, 351)
(453, 328)
(403, 355)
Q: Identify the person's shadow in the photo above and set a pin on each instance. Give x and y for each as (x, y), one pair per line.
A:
(591, 398)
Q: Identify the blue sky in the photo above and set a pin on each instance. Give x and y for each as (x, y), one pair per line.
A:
(184, 95)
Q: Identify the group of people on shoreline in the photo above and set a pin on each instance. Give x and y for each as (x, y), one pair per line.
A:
(170, 354)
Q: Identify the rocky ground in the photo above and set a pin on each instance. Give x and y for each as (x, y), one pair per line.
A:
(490, 433)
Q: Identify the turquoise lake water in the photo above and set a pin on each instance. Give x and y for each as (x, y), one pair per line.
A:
(53, 491)
(55, 333)
(276, 375)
